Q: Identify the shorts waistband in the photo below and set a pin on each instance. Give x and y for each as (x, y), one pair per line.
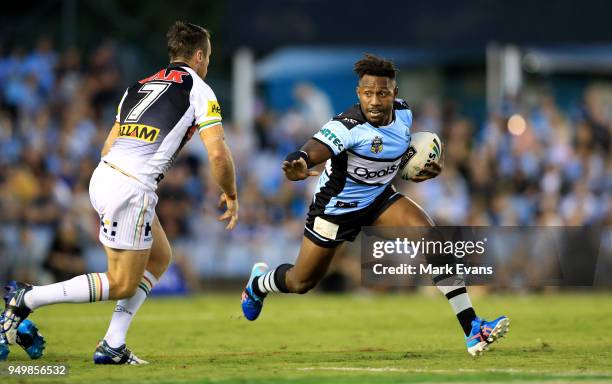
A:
(128, 178)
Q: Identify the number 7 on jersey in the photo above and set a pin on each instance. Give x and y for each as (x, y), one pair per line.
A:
(153, 91)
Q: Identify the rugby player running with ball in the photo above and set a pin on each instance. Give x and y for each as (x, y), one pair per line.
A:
(372, 135)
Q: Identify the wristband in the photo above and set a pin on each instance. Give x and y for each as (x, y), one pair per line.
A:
(298, 155)
(230, 197)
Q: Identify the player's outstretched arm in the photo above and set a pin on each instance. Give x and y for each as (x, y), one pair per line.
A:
(296, 165)
(110, 139)
(223, 171)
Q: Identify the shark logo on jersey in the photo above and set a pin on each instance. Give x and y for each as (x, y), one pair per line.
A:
(377, 145)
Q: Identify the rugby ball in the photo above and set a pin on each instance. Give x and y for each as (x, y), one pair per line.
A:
(425, 148)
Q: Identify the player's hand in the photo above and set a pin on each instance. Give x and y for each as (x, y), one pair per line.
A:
(431, 170)
(297, 170)
(231, 212)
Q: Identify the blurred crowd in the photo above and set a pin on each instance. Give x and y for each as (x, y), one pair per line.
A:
(540, 166)
(57, 108)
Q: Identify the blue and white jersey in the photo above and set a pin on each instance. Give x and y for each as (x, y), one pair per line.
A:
(365, 158)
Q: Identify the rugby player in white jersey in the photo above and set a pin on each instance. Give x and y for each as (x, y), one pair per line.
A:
(156, 117)
(363, 149)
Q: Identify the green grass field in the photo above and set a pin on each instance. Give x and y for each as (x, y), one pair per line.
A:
(334, 339)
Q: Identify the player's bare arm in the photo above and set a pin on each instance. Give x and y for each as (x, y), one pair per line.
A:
(222, 168)
(296, 165)
(110, 139)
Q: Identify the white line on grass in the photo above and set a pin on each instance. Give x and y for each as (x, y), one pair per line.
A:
(446, 371)
(141, 318)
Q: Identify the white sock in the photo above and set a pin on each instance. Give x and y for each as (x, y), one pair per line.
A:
(457, 297)
(125, 311)
(266, 283)
(462, 306)
(81, 289)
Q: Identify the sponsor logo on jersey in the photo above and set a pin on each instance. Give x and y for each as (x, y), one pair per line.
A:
(350, 121)
(343, 204)
(407, 156)
(368, 174)
(214, 109)
(139, 132)
(333, 139)
(377, 145)
(172, 76)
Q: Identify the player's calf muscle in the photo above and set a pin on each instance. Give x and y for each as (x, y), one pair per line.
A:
(300, 285)
(301, 280)
(159, 263)
(161, 252)
(310, 267)
(125, 269)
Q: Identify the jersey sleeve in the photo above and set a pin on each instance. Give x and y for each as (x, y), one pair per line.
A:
(335, 136)
(408, 118)
(405, 115)
(207, 111)
(118, 116)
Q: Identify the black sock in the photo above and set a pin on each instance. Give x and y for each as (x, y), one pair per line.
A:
(465, 318)
(462, 306)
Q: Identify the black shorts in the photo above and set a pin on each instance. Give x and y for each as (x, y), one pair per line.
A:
(333, 230)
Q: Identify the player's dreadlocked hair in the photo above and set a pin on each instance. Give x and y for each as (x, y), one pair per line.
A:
(375, 66)
(185, 38)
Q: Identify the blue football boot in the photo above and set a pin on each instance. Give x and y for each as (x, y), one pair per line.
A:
(30, 339)
(104, 354)
(485, 333)
(252, 303)
(15, 311)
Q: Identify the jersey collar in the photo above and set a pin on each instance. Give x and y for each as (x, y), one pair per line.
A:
(178, 64)
(378, 126)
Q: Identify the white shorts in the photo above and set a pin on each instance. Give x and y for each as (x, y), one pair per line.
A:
(126, 208)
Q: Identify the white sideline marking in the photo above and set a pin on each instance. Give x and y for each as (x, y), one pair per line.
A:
(355, 369)
(444, 371)
(143, 317)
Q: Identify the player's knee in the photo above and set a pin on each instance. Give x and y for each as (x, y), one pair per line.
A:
(124, 288)
(129, 290)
